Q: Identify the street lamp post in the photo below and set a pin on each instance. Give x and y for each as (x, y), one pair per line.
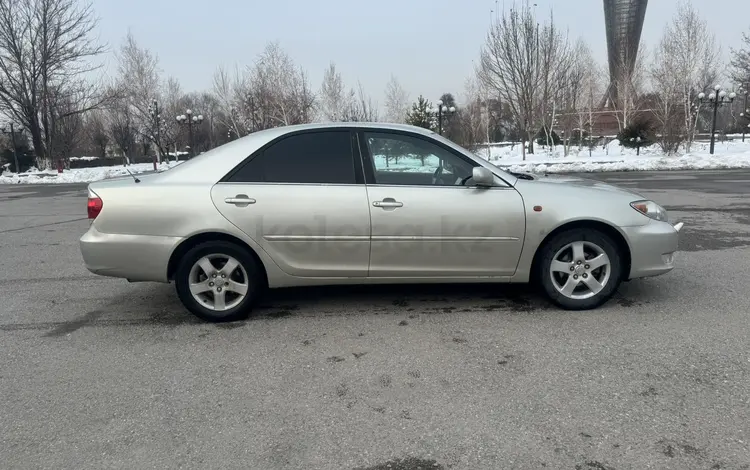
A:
(153, 110)
(190, 120)
(637, 141)
(717, 98)
(15, 149)
(746, 115)
(745, 89)
(440, 111)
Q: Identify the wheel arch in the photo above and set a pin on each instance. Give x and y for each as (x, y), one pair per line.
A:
(203, 237)
(604, 227)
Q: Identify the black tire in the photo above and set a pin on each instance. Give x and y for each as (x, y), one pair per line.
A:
(255, 281)
(557, 243)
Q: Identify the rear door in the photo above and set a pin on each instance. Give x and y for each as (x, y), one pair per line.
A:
(303, 199)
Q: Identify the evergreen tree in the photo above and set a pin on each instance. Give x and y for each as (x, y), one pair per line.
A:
(448, 100)
(740, 71)
(451, 125)
(420, 115)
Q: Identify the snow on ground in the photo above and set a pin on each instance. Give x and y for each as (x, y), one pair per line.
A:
(614, 157)
(81, 175)
(83, 158)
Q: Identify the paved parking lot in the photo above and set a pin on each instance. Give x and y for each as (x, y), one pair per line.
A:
(99, 373)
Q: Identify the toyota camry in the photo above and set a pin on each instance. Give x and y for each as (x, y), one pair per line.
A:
(364, 203)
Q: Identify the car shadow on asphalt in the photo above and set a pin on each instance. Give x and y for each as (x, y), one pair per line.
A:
(393, 299)
(158, 304)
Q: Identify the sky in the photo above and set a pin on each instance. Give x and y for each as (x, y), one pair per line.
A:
(429, 45)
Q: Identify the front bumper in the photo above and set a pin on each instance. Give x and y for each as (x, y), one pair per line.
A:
(653, 247)
(133, 257)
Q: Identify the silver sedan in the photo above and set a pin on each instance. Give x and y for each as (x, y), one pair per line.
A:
(356, 203)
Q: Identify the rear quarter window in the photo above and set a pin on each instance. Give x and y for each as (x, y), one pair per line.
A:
(323, 157)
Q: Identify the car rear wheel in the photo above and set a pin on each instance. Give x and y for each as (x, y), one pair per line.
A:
(218, 281)
(580, 269)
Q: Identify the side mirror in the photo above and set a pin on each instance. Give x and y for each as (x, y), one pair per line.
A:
(482, 176)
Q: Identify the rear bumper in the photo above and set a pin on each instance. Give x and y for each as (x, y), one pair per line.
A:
(653, 247)
(134, 257)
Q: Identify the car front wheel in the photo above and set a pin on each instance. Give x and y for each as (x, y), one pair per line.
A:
(580, 269)
(218, 281)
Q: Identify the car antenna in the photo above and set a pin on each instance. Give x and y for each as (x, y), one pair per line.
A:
(131, 174)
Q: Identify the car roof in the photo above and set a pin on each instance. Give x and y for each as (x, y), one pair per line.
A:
(211, 166)
(345, 124)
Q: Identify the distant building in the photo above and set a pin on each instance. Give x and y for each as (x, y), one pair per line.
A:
(623, 25)
(623, 21)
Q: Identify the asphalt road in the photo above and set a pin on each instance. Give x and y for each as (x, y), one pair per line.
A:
(99, 373)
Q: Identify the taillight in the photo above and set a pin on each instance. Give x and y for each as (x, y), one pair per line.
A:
(94, 205)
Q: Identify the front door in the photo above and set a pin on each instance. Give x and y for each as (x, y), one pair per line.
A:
(429, 220)
(301, 200)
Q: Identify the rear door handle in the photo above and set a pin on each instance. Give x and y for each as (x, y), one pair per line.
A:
(240, 200)
(388, 203)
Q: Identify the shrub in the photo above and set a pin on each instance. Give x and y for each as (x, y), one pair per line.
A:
(641, 128)
(541, 137)
(26, 159)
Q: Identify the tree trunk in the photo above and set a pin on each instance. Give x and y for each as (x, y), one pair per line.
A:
(38, 143)
(531, 142)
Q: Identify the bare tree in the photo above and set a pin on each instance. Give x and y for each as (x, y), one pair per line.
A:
(173, 105)
(332, 99)
(359, 107)
(279, 92)
(555, 57)
(669, 93)
(520, 63)
(694, 62)
(272, 92)
(581, 93)
(472, 117)
(396, 101)
(592, 91)
(123, 129)
(68, 133)
(570, 95)
(230, 93)
(45, 46)
(482, 117)
(140, 85)
(96, 132)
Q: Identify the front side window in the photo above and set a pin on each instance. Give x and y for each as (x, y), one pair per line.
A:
(406, 160)
(311, 158)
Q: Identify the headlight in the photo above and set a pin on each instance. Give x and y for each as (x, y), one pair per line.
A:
(650, 209)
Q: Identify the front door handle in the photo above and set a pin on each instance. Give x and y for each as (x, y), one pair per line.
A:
(388, 203)
(240, 200)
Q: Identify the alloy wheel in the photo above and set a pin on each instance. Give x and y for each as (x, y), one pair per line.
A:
(580, 270)
(218, 282)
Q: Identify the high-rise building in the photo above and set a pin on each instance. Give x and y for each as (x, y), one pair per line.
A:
(624, 23)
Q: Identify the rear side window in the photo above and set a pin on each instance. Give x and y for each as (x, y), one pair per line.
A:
(312, 158)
